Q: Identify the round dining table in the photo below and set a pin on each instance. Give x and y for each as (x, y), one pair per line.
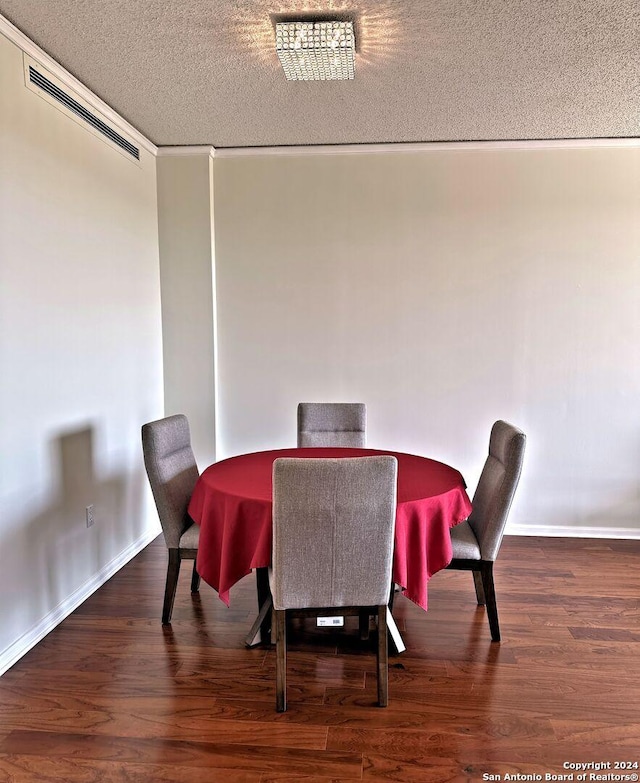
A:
(232, 503)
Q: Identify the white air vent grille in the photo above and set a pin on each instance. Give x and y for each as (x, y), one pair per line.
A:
(66, 101)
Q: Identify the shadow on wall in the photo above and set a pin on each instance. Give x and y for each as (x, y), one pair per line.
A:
(624, 515)
(604, 500)
(52, 561)
(59, 551)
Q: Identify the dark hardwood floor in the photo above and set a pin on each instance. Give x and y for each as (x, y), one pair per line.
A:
(111, 695)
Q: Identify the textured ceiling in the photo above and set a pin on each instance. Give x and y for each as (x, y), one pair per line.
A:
(196, 72)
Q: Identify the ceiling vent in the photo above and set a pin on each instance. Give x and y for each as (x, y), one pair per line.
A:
(54, 94)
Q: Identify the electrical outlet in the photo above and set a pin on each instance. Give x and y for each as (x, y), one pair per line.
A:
(90, 517)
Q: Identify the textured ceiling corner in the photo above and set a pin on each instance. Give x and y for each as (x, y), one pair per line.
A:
(28, 47)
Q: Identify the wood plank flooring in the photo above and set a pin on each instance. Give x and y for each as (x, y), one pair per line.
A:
(111, 695)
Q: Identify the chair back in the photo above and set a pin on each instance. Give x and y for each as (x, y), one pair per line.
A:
(172, 471)
(332, 424)
(496, 487)
(333, 526)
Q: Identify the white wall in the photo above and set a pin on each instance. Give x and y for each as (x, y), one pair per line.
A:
(185, 212)
(81, 357)
(445, 289)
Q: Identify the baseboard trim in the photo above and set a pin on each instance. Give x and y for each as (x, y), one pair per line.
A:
(21, 646)
(567, 531)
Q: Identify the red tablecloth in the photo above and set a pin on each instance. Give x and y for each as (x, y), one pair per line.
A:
(232, 504)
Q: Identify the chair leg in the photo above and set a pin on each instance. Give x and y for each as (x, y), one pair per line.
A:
(173, 571)
(195, 579)
(396, 637)
(382, 658)
(392, 595)
(255, 634)
(490, 595)
(364, 625)
(281, 660)
(264, 594)
(477, 581)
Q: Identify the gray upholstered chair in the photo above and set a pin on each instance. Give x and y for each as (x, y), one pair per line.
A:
(476, 542)
(172, 471)
(333, 526)
(332, 424)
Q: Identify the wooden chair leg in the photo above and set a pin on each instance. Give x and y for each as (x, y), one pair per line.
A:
(173, 571)
(281, 660)
(490, 596)
(382, 658)
(264, 594)
(392, 595)
(477, 581)
(255, 635)
(397, 642)
(195, 579)
(364, 625)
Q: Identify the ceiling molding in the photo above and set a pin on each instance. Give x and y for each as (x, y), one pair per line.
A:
(33, 50)
(165, 152)
(378, 149)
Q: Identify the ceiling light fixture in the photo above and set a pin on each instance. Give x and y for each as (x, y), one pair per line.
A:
(310, 51)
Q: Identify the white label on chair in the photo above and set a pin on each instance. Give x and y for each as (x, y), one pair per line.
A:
(324, 622)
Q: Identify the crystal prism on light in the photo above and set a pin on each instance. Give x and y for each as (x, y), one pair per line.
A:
(316, 50)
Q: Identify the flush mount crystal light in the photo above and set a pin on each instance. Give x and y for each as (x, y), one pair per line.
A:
(316, 50)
